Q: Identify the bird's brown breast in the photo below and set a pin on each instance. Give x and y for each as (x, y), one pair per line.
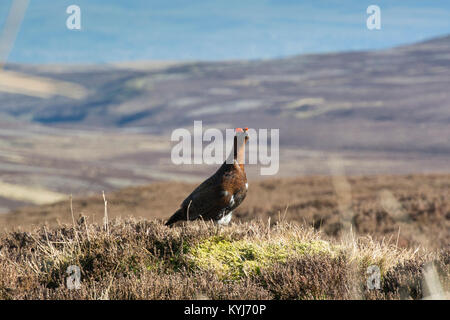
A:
(235, 183)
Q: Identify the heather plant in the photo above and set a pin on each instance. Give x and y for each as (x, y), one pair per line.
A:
(141, 259)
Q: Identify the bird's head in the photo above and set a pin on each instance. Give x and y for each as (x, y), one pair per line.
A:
(242, 133)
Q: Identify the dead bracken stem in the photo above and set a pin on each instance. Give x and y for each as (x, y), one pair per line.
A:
(187, 212)
(398, 236)
(52, 249)
(71, 211)
(73, 222)
(105, 218)
(285, 212)
(87, 230)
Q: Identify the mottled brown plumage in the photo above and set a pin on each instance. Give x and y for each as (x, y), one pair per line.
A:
(217, 197)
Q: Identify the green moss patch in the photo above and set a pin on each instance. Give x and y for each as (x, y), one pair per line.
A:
(236, 259)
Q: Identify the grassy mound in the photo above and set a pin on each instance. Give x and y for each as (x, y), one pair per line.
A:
(133, 259)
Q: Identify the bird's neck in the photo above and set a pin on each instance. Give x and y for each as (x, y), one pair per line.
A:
(239, 153)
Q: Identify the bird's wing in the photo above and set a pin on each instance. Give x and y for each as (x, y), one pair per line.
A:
(206, 200)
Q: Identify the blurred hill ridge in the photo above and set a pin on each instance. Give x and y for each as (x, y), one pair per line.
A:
(84, 128)
(394, 99)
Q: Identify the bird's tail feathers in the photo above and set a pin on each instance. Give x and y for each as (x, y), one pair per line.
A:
(177, 216)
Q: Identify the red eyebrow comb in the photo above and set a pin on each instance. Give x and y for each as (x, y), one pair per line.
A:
(239, 130)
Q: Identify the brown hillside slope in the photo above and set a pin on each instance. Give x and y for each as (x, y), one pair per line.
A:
(414, 208)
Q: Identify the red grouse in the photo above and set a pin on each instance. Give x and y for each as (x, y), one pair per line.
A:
(217, 197)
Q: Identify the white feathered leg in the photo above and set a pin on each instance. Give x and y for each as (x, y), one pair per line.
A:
(225, 220)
